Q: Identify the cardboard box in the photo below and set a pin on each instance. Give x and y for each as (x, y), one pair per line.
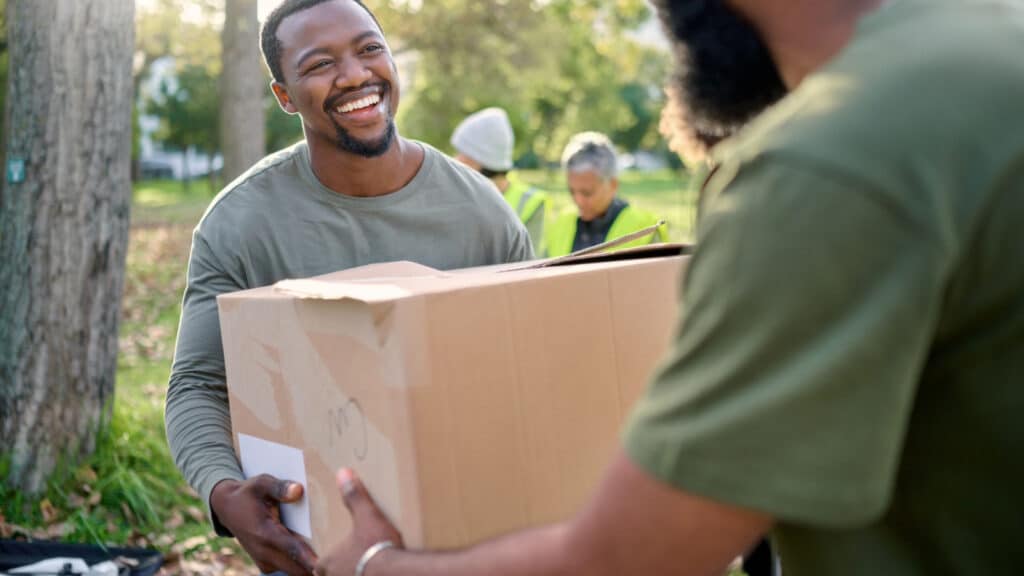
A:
(471, 402)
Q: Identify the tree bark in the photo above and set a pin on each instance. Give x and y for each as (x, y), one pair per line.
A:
(63, 229)
(242, 131)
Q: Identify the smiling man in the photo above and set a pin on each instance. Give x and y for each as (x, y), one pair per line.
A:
(354, 192)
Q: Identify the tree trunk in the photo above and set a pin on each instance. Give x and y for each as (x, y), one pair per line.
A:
(63, 228)
(242, 88)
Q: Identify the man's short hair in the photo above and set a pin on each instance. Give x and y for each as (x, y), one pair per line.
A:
(271, 45)
(591, 152)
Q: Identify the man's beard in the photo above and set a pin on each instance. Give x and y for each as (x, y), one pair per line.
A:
(726, 75)
(345, 142)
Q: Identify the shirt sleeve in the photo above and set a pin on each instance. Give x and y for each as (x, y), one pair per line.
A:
(197, 416)
(520, 247)
(808, 311)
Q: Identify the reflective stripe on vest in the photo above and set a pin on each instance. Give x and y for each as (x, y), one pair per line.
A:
(524, 199)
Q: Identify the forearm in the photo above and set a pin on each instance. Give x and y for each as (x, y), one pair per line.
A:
(634, 524)
(547, 551)
(198, 423)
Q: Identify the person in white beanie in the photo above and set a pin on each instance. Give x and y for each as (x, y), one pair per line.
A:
(484, 141)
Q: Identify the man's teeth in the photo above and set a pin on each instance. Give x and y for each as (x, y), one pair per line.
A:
(357, 104)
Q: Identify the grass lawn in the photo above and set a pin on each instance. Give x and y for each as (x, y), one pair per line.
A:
(129, 492)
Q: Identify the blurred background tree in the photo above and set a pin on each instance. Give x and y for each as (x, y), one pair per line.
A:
(568, 66)
(242, 87)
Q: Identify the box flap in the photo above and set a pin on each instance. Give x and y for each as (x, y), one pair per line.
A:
(399, 269)
(647, 251)
(319, 289)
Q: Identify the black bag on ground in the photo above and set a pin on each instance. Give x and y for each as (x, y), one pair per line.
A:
(132, 561)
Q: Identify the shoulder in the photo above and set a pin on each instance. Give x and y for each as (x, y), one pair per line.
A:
(256, 181)
(454, 182)
(912, 76)
(447, 169)
(251, 194)
(890, 113)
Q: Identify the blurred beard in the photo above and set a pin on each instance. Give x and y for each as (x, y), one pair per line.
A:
(725, 74)
(344, 141)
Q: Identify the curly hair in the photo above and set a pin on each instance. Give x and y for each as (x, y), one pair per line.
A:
(725, 74)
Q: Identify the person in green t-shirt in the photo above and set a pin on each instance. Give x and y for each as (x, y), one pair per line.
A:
(484, 141)
(592, 173)
(848, 373)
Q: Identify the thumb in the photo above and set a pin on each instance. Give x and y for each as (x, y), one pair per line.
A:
(278, 489)
(353, 492)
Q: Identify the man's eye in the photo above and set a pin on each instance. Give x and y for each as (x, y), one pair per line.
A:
(373, 48)
(319, 64)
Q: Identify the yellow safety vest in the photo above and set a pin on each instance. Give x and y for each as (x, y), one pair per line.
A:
(562, 233)
(526, 201)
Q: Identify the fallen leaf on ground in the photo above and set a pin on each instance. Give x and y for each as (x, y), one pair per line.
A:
(86, 474)
(188, 491)
(194, 542)
(57, 531)
(175, 521)
(172, 557)
(196, 514)
(48, 511)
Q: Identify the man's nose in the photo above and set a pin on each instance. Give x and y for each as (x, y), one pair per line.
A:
(352, 73)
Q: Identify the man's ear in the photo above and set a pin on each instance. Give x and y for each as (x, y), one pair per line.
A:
(614, 183)
(283, 99)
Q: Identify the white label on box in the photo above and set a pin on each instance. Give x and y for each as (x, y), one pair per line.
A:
(260, 456)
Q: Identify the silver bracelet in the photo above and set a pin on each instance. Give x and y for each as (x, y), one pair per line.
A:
(370, 553)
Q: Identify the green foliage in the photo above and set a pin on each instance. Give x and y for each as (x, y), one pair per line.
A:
(187, 104)
(188, 110)
(161, 30)
(283, 129)
(558, 70)
(123, 493)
